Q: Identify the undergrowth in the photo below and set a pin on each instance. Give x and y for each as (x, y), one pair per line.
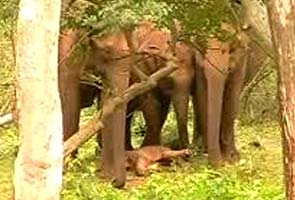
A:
(258, 174)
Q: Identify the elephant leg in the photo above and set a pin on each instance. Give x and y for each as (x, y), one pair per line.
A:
(152, 113)
(200, 109)
(180, 99)
(113, 134)
(215, 89)
(70, 102)
(69, 83)
(231, 105)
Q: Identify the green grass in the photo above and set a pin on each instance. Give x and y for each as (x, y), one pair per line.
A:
(8, 149)
(258, 175)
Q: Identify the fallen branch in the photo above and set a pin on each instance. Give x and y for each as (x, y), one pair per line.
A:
(6, 118)
(96, 124)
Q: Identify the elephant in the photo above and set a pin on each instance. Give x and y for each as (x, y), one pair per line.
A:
(220, 76)
(110, 55)
(70, 71)
(215, 82)
(148, 41)
(140, 159)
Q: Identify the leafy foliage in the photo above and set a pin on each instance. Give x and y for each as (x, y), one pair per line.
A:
(199, 19)
(8, 13)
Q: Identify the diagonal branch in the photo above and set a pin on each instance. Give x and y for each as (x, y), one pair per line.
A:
(96, 124)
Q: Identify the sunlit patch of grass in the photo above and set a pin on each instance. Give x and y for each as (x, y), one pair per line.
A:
(8, 149)
(258, 175)
(7, 73)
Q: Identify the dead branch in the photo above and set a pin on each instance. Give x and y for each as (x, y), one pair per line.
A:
(96, 124)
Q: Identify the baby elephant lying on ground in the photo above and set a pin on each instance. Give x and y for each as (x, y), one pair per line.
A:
(139, 160)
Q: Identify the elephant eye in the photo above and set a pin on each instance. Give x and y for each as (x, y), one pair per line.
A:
(231, 50)
(153, 47)
(223, 50)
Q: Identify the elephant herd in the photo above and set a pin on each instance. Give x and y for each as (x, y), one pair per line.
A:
(213, 79)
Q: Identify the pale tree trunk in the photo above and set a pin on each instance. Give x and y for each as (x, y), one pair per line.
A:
(254, 14)
(282, 23)
(38, 166)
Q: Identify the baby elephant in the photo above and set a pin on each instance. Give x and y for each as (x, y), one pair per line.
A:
(139, 160)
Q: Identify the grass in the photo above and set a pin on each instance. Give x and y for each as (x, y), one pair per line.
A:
(8, 149)
(258, 175)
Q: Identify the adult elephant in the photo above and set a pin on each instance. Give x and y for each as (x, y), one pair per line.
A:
(117, 73)
(150, 46)
(220, 76)
(110, 55)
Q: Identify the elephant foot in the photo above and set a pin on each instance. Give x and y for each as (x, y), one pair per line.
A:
(231, 155)
(117, 183)
(215, 159)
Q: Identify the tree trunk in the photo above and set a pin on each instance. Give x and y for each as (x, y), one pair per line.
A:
(254, 14)
(38, 166)
(282, 23)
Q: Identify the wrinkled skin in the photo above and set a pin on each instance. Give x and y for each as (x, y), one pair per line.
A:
(69, 72)
(220, 76)
(149, 41)
(73, 97)
(140, 159)
(155, 105)
(109, 56)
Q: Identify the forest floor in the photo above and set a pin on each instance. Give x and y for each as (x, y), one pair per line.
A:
(258, 175)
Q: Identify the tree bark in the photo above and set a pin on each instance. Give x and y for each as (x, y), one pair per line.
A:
(38, 166)
(282, 23)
